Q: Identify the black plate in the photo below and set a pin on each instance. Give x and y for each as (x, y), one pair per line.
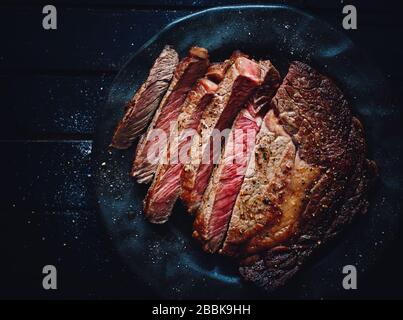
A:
(165, 256)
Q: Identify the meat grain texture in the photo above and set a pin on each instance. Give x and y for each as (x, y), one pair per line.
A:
(242, 78)
(212, 218)
(143, 105)
(151, 146)
(166, 186)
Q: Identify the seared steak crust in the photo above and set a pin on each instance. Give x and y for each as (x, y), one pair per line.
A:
(186, 74)
(315, 114)
(146, 100)
(216, 71)
(266, 189)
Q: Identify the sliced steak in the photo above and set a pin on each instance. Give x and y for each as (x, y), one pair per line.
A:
(317, 187)
(165, 188)
(239, 83)
(219, 198)
(151, 147)
(141, 108)
(166, 185)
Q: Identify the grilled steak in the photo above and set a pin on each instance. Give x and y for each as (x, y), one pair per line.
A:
(141, 108)
(292, 171)
(165, 188)
(186, 74)
(239, 83)
(219, 198)
(309, 179)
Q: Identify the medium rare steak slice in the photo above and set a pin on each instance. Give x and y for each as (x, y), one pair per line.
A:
(219, 198)
(239, 83)
(141, 108)
(165, 188)
(311, 191)
(166, 185)
(152, 146)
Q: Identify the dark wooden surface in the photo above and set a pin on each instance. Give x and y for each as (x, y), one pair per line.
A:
(52, 83)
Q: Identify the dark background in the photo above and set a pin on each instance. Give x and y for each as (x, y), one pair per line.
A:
(52, 84)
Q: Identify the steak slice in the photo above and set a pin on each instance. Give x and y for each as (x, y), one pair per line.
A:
(272, 189)
(165, 188)
(313, 195)
(146, 100)
(152, 145)
(239, 83)
(219, 198)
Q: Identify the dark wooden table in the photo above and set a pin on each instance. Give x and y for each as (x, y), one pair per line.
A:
(52, 84)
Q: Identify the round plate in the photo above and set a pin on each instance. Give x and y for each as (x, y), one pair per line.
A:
(165, 256)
